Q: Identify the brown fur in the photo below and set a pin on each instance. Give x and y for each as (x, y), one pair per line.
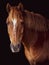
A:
(35, 34)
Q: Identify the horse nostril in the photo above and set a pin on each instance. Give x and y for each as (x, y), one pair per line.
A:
(19, 45)
(15, 48)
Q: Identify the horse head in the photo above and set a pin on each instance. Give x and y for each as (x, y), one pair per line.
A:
(15, 26)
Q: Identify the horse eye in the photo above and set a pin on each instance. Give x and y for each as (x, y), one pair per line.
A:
(22, 23)
(9, 23)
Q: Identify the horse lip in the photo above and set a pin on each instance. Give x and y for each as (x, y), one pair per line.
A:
(15, 48)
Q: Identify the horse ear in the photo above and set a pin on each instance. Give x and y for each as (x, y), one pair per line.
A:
(8, 7)
(20, 6)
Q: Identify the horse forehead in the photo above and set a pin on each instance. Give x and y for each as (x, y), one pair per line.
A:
(14, 21)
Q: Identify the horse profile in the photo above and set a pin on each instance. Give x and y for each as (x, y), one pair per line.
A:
(30, 29)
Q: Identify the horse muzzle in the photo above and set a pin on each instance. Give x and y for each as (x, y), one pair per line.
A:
(15, 48)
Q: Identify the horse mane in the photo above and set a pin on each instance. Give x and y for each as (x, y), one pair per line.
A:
(35, 21)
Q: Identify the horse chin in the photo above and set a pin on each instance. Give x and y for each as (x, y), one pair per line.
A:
(15, 48)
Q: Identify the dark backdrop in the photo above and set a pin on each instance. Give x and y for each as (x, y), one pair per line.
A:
(6, 56)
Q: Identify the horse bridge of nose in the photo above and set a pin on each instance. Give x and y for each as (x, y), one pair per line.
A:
(14, 24)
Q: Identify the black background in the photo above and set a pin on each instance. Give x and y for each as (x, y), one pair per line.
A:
(6, 56)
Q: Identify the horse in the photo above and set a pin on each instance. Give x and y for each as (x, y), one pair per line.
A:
(31, 29)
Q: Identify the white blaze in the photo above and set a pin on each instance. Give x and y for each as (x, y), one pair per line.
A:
(14, 23)
(14, 26)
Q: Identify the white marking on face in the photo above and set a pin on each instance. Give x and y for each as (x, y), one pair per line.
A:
(14, 23)
(14, 26)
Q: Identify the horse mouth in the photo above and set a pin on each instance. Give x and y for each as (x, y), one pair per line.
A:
(15, 48)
